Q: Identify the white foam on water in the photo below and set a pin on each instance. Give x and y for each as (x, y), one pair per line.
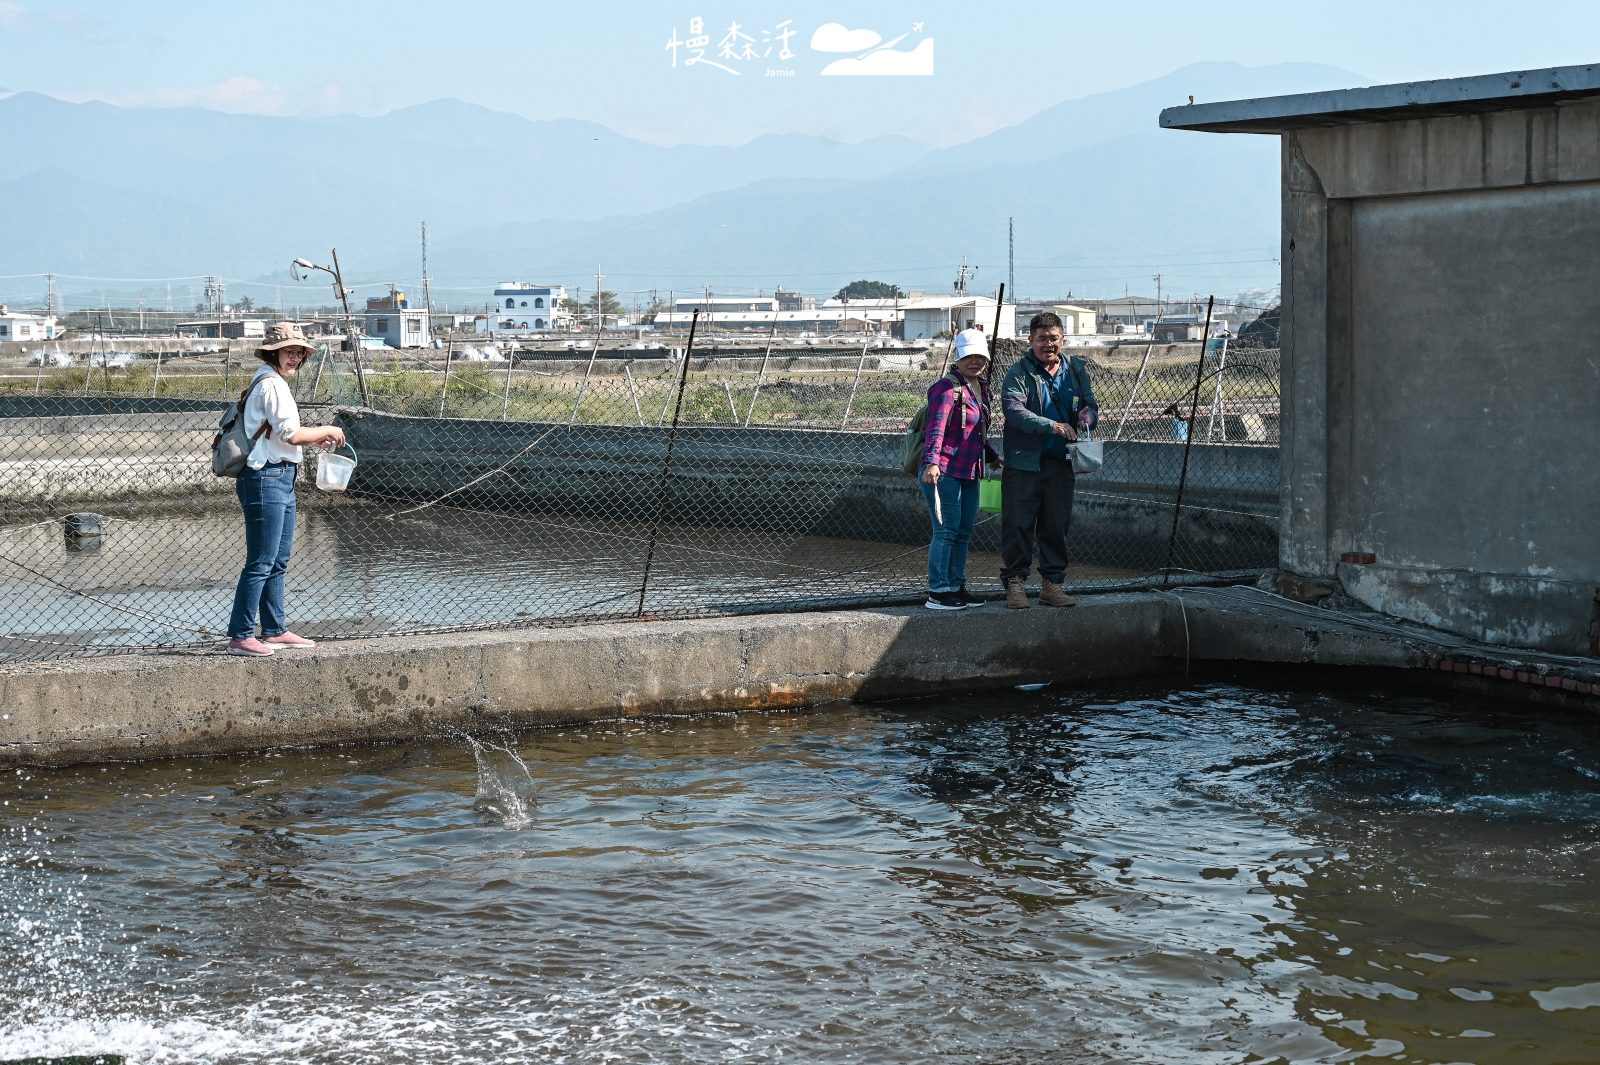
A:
(607, 1026)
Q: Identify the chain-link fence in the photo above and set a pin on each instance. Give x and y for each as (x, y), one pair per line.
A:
(575, 485)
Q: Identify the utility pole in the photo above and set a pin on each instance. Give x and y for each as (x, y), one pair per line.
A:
(50, 295)
(961, 277)
(1159, 305)
(599, 299)
(1011, 258)
(141, 314)
(427, 282)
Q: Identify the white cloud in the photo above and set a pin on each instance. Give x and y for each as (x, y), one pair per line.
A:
(14, 18)
(238, 95)
(833, 37)
(918, 61)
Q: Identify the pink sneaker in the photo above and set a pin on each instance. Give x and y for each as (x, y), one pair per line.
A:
(250, 647)
(288, 639)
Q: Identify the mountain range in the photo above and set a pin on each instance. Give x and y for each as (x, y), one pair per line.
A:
(1099, 195)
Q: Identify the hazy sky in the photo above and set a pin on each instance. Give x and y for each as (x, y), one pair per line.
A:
(994, 64)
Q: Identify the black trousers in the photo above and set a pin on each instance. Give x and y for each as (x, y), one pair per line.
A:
(1036, 505)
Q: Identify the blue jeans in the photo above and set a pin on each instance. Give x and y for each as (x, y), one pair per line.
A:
(947, 554)
(267, 496)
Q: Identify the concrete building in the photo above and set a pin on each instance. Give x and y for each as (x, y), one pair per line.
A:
(394, 321)
(1075, 320)
(1440, 374)
(793, 301)
(236, 329)
(930, 316)
(519, 307)
(920, 317)
(1128, 310)
(20, 325)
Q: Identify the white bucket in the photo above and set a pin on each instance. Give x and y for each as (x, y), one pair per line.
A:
(333, 471)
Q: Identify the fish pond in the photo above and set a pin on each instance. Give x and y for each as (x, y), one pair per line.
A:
(1222, 869)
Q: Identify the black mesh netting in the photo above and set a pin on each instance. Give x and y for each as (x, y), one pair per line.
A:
(495, 491)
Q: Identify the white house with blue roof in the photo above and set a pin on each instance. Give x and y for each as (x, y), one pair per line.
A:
(520, 307)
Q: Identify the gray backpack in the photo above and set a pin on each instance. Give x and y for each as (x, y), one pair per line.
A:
(231, 448)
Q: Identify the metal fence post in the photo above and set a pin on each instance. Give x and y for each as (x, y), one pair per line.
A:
(1216, 394)
(1188, 442)
(853, 385)
(444, 393)
(666, 468)
(638, 412)
(322, 362)
(505, 404)
(584, 387)
(762, 373)
(156, 386)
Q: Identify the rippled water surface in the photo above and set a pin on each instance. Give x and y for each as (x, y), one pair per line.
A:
(1211, 873)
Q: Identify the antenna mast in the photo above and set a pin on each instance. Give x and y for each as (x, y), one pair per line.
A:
(1011, 258)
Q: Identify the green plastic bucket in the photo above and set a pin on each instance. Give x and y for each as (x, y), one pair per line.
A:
(989, 495)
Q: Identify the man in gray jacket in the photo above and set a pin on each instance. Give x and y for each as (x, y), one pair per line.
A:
(1047, 401)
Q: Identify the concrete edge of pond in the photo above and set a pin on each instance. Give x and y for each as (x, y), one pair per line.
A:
(397, 688)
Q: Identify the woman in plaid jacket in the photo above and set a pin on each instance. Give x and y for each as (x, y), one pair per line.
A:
(956, 448)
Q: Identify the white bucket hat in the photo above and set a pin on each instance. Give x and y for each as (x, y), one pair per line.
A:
(971, 342)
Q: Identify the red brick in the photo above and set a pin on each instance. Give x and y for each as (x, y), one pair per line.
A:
(1506, 674)
(1460, 667)
(1568, 684)
(1446, 665)
(1523, 677)
(1476, 670)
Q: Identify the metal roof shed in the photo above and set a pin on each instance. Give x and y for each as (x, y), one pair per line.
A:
(1441, 373)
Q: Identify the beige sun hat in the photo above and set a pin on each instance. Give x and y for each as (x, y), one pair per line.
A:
(285, 335)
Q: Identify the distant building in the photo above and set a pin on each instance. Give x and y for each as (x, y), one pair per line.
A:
(394, 321)
(931, 316)
(1129, 310)
(519, 307)
(1076, 320)
(1180, 328)
(793, 301)
(916, 317)
(19, 325)
(237, 329)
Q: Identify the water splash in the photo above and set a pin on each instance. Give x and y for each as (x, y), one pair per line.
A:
(507, 791)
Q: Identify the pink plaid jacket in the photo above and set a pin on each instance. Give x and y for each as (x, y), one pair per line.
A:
(955, 437)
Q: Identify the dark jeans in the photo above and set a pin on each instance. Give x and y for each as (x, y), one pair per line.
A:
(1036, 504)
(947, 553)
(267, 496)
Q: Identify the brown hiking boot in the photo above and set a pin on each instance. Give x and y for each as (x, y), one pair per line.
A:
(1016, 594)
(1052, 594)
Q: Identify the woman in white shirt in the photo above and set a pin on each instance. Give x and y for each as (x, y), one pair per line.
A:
(266, 492)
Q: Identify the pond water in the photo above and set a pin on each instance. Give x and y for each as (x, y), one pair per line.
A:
(1189, 871)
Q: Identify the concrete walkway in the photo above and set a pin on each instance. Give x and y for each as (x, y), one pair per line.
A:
(403, 687)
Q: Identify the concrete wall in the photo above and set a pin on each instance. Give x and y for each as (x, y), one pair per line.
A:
(107, 456)
(1440, 371)
(402, 688)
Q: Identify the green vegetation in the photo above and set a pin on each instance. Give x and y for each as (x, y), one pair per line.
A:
(869, 290)
(882, 401)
